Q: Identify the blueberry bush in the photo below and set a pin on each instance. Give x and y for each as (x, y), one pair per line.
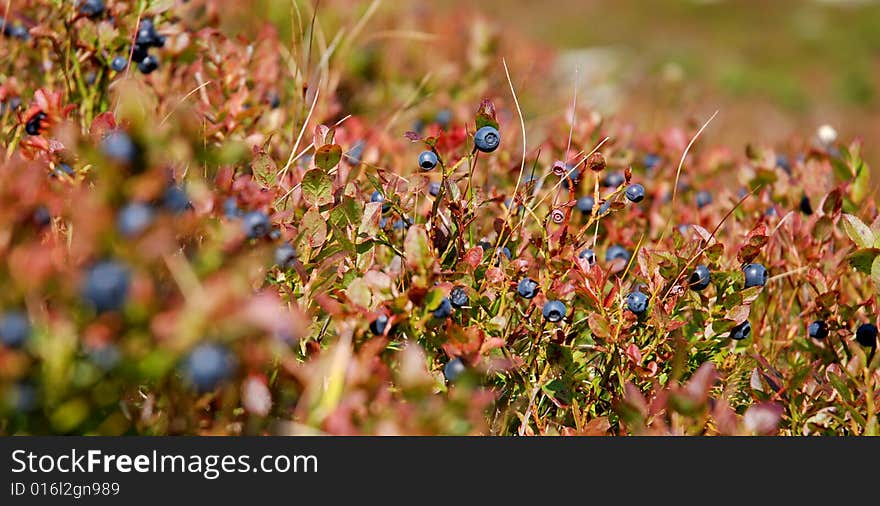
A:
(310, 230)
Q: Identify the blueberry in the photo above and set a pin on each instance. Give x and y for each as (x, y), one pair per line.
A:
(106, 356)
(444, 309)
(818, 329)
(41, 217)
(703, 198)
(35, 124)
(176, 200)
(378, 197)
(148, 64)
(23, 397)
(208, 365)
(285, 255)
(256, 225)
(756, 275)
(503, 251)
(554, 311)
(589, 255)
(573, 175)
(453, 369)
(428, 160)
(147, 35)
(91, 8)
(487, 139)
(613, 179)
(19, 32)
(458, 297)
(105, 286)
(62, 168)
(133, 219)
(527, 288)
(635, 192)
(383, 222)
(866, 335)
(805, 206)
(354, 154)
(355, 158)
(434, 189)
(119, 147)
(119, 63)
(15, 328)
(139, 53)
(700, 278)
(741, 331)
(782, 163)
(604, 208)
(614, 252)
(230, 208)
(402, 223)
(443, 118)
(377, 326)
(585, 204)
(651, 161)
(637, 302)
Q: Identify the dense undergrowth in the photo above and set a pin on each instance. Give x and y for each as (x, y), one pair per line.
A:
(253, 235)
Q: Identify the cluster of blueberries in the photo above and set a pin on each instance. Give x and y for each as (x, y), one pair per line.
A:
(147, 37)
(487, 139)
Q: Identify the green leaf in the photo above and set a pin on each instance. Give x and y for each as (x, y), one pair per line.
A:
(417, 249)
(858, 231)
(327, 156)
(264, 169)
(317, 188)
(313, 229)
(863, 259)
(875, 274)
(433, 299)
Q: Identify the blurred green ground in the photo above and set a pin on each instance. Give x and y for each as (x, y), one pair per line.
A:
(773, 68)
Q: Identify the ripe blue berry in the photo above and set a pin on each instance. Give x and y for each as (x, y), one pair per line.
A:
(703, 198)
(613, 179)
(444, 309)
(285, 255)
(585, 204)
(35, 124)
(208, 365)
(230, 208)
(458, 297)
(256, 225)
(818, 329)
(805, 206)
(741, 331)
(377, 196)
(651, 161)
(589, 255)
(41, 217)
(119, 63)
(133, 219)
(119, 147)
(503, 251)
(487, 139)
(782, 163)
(635, 192)
(443, 118)
(377, 326)
(91, 8)
(428, 160)
(62, 168)
(15, 328)
(105, 286)
(176, 200)
(434, 189)
(573, 175)
(866, 335)
(527, 288)
(453, 369)
(700, 278)
(616, 252)
(756, 275)
(637, 302)
(148, 64)
(604, 208)
(554, 311)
